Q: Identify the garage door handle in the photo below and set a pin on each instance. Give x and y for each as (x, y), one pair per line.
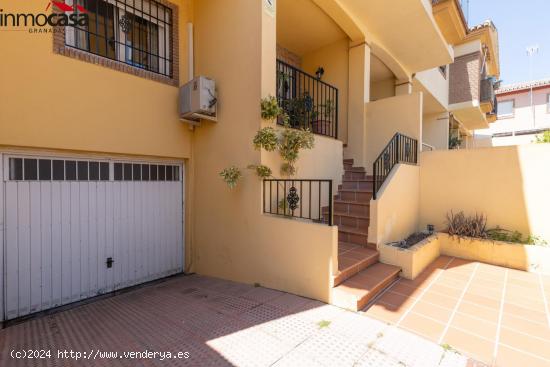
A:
(110, 262)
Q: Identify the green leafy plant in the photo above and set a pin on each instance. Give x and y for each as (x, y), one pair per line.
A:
(289, 142)
(500, 234)
(323, 324)
(261, 170)
(266, 138)
(231, 176)
(454, 142)
(544, 137)
(270, 108)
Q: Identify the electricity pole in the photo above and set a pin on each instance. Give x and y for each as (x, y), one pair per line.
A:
(531, 51)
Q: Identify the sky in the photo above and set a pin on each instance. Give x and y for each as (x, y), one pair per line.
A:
(520, 23)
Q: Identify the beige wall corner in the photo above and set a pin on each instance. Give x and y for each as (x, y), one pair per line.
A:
(508, 184)
(385, 117)
(358, 95)
(435, 130)
(394, 214)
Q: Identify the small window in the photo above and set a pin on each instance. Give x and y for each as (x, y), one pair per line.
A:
(118, 171)
(104, 171)
(548, 103)
(443, 71)
(162, 175)
(176, 173)
(45, 169)
(145, 172)
(58, 170)
(94, 171)
(82, 171)
(169, 173)
(505, 108)
(70, 170)
(137, 172)
(16, 169)
(127, 172)
(154, 171)
(30, 169)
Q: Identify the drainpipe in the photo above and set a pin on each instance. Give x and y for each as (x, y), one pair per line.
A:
(190, 54)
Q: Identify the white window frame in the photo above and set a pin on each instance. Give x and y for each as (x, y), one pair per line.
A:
(507, 115)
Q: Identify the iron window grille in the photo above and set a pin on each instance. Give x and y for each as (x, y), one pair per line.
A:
(135, 32)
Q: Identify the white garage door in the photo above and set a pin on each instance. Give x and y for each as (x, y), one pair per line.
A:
(76, 228)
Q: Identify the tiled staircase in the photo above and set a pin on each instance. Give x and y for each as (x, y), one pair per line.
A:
(360, 276)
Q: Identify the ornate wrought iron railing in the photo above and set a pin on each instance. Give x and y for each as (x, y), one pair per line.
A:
(400, 149)
(309, 102)
(296, 198)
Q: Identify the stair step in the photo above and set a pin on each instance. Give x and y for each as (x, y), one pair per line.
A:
(358, 236)
(352, 261)
(355, 292)
(361, 196)
(349, 168)
(352, 208)
(357, 184)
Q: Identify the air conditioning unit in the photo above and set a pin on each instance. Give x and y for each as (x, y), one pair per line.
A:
(197, 100)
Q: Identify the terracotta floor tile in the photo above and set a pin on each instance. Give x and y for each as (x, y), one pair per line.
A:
(526, 326)
(452, 283)
(525, 313)
(488, 283)
(424, 326)
(484, 313)
(439, 299)
(417, 283)
(438, 313)
(531, 283)
(518, 291)
(474, 325)
(345, 262)
(384, 312)
(397, 299)
(485, 291)
(446, 291)
(482, 300)
(525, 343)
(470, 344)
(406, 290)
(508, 357)
(529, 303)
(522, 275)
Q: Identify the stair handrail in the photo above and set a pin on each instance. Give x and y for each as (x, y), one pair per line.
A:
(400, 149)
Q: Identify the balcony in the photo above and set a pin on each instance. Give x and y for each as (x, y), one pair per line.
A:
(309, 102)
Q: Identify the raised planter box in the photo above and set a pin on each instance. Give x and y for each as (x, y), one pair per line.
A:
(413, 260)
(510, 255)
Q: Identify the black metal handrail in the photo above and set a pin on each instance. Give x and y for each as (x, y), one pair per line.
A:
(487, 90)
(299, 198)
(309, 102)
(400, 149)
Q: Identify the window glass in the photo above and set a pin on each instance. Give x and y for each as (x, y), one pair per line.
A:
(176, 173)
(118, 171)
(137, 172)
(58, 170)
(145, 172)
(154, 172)
(82, 171)
(16, 169)
(104, 171)
(45, 169)
(169, 173)
(70, 170)
(505, 108)
(162, 175)
(94, 171)
(30, 169)
(127, 172)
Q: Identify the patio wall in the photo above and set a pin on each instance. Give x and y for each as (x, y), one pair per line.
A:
(508, 184)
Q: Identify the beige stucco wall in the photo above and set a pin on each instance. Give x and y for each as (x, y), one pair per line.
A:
(56, 102)
(435, 130)
(394, 213)
(436, 84)
(388, 116)
(414, 260)
(334, 59)
(508, 184)
(382, 89)
(232, 238)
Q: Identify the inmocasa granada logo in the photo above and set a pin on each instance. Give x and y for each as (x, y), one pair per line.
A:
(68, 16)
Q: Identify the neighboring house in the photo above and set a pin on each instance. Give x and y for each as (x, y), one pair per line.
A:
(467, 101)
(104, 187)
(520, 118)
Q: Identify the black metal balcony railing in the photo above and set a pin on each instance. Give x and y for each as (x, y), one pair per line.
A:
(296, 198)
(309, 102)
(400, 149)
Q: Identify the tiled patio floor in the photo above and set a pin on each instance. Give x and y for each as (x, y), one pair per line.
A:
(220, 323)
(499, 316)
